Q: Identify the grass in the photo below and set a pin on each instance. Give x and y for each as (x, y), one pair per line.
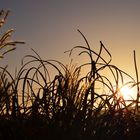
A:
(36, 105)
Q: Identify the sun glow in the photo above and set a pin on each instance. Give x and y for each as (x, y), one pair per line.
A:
(127, 92)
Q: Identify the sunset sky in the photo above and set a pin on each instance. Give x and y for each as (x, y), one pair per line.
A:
(50, 28)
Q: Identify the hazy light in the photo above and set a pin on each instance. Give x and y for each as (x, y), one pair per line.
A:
(127, 93)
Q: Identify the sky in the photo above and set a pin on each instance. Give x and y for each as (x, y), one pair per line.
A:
(50, 28)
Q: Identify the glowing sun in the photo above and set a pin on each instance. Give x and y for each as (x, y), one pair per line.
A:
(127, 93)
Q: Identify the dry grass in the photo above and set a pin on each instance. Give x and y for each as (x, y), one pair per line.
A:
(35, 105)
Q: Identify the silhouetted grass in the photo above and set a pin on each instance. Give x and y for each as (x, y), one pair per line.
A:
(37, 105)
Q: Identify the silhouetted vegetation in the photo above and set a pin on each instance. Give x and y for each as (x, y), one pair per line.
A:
(36, 105)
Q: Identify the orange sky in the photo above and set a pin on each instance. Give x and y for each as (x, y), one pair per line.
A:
(50, 27)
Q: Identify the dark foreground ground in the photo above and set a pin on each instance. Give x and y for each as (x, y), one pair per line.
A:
(39, 129)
